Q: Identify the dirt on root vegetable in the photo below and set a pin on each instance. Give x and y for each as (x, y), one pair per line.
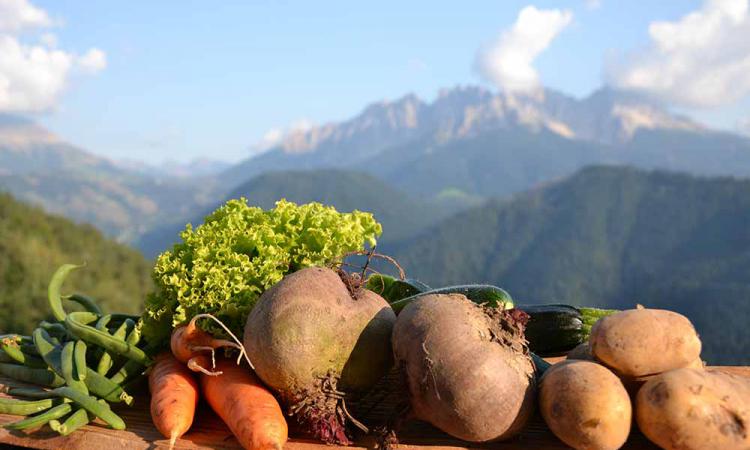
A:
(319, 340)
(468, 369)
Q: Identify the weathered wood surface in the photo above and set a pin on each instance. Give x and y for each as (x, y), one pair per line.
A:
(210, 433)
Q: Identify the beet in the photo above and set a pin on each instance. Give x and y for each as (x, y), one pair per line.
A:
(467, 368)
(318, 341)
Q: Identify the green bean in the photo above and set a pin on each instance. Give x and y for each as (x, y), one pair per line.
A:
(76, 324)
(15, 353)
(79, 418)
(135, 336)
(105, 363)
(35, 393)
(55, 286)
(54, 329)
(127, 371)
(42, 377)
(118, 317)
(40, 419)
(29, 349)
(103, 387)
(133, 339)
(97, 384)
(88, 303)
(101, 324)
(25, 407)
(91, 405)
(79, 354)
(51, 353)
(68, 368)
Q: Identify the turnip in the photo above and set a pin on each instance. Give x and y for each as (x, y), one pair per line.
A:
(318, 339)
(467, 368)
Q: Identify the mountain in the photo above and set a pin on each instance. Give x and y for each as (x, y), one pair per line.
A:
(607, 118)
(35, 243)
(25, 147)
(196, 168)
(400, 215)
(40, 168)
(610, 237)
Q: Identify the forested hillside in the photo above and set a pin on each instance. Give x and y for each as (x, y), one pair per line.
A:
(612, 237)
(33, 244)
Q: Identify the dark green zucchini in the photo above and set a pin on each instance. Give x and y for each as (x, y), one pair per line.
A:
(555, 329)
(489, 295)
(392, 289)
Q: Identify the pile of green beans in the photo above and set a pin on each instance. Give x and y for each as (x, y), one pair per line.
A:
(81, 361)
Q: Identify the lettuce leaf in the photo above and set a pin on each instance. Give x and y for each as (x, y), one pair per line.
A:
(224, 265)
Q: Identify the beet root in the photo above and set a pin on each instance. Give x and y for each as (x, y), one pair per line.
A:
(467, 368)
(317, 343)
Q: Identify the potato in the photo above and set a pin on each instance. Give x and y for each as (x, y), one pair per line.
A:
(585, 405)
(640, 342)
(581, 352)
(691, 409)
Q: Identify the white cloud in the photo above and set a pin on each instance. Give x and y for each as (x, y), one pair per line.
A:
(48, 39)
(17, 15)
(593, 4)
(700, 60)
(508, 62)
(93, 61)
(34, 76)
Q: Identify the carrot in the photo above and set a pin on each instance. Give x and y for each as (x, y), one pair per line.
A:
(174, 396)
(188, 341)
(246, 406)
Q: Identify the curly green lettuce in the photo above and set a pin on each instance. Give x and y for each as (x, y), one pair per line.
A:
(224, 265)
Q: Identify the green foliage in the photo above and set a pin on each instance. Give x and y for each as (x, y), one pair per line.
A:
(223, 265)
(33, 244)
(610, 237)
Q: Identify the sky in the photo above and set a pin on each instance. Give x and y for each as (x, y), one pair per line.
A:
(180, 80)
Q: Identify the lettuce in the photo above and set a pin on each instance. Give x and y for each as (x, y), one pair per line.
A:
(222, 266)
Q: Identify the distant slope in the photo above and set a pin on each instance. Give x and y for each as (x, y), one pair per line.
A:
(495, 163)
(40, 168)
(610, 237)
(34, 244)
(400, 215)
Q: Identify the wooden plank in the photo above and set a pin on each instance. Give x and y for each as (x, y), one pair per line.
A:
(209, 432)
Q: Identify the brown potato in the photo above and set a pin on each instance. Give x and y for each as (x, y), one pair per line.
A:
(640, 342)
(581, 352)
(585, 405)
(692, 409)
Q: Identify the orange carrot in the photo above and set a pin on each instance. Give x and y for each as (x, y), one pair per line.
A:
(174, 396)
(188, 340)
(246, 406)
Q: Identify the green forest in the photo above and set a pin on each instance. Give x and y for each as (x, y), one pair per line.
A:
(33, 244)
(610, 237)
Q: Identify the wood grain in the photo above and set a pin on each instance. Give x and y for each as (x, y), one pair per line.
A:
(209, 432)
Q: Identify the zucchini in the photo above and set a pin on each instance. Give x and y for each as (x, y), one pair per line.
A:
(393, 289)
(555, 329)
(489, 295)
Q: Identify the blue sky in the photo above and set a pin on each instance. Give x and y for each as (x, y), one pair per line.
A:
(192, 79)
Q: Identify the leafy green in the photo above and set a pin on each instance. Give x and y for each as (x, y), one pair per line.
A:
(222, 266)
